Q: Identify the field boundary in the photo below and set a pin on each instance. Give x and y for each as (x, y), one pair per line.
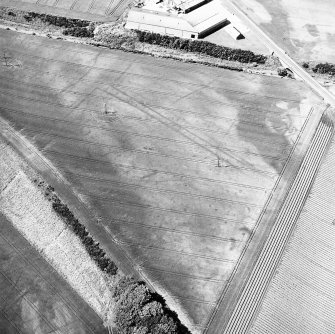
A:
(267, 262)
(52, 176)
(103, 236)
(231, 292)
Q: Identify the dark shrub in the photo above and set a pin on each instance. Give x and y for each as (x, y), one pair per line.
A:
(94, 250)
(58, 21)
(203, 47)
(282, 71)
(111, 268)
(87, 241)
(324, 68)
(78, 32)
(137, 309)
(27, 17)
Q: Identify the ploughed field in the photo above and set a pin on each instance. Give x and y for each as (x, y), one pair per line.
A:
(301, 296)
(34, 298)
(304, 28)
(95, 10)
(176, 160)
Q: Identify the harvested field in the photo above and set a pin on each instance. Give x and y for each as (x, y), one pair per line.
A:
(93, 10)
(47, 232)
(176, 160)
(34, 297)
(304, 28)
(39, 224)
(301, 296)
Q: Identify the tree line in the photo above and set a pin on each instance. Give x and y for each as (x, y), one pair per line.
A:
(137, 308)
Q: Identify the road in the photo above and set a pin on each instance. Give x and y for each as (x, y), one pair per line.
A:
(327, 96)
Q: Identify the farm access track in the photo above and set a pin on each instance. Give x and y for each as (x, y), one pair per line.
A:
(264, 269)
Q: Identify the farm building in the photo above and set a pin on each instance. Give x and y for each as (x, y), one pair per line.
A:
(159, 22)
(194, 24)
(188, 5)
(233, 32)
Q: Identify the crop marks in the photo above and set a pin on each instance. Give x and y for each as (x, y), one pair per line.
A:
(151, 172)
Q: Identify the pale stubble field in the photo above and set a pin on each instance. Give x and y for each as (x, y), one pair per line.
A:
(45, 274)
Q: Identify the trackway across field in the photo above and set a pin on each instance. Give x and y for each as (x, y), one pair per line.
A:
(177, 161)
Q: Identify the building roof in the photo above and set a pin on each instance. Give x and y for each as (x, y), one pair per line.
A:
(197, 21)
(206, 16)
(232, 31)
(186, 4)
(154, 18)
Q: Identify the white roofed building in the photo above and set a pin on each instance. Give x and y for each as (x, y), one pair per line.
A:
(193, 24)
(161, 23)
(233, 32)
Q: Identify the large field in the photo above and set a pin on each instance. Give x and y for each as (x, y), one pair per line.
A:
(304, 28)
(178, 161)
(301, 297)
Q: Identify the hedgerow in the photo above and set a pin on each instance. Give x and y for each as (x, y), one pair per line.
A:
(58, 21)
(137, 309)
(78, 32)
(92, 247)
(203, 47)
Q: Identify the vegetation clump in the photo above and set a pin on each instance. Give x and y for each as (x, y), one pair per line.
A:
(78, 32)
(73, 27)
(202, 47)
(324, 68)
(137, 309)
(282, 71)
(58, 21)
(92, 247)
